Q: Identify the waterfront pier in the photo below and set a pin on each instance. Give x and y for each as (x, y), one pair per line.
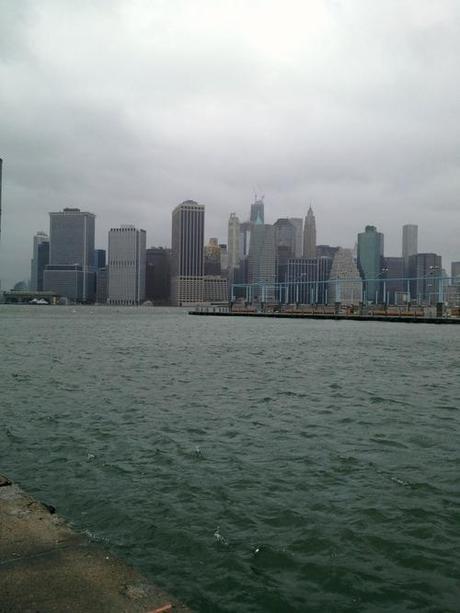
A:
(415, 315)
(47, 567)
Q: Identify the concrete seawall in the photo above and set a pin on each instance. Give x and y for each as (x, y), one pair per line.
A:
(46, 567)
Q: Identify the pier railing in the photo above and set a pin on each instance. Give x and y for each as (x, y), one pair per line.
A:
(383, 292)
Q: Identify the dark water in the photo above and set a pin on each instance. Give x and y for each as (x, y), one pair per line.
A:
(245, 465)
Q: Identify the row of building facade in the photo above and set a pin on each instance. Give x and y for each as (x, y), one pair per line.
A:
(260, 262)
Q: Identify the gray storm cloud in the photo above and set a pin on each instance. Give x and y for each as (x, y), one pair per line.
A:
(127, 108)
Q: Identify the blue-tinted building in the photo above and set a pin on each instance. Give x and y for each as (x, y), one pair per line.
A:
(99, 259)
(370, 263)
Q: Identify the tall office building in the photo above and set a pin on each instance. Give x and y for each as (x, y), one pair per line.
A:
(126, 283)
(370, 262)
(257, 210)
(99, 259)
(395, 287)
(158, 275)
(245, 238)
(425, 270)
(187, 243)
(245, 241)
(409, 244)
(308, 279)
(262, 258)
(212, 255)
(223, 258)
(285, 239)
(233, 245)
(345, 283)
(40, 259)
(70, 272)
(453, 291)
(455, 272)
(297, 222)
(309, 235)
(286, 234)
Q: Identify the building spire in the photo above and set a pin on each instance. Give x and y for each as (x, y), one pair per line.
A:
(309, 236)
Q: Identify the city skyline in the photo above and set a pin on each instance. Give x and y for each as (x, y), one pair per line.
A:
(263, 263)
(244, 219)
(334, 103)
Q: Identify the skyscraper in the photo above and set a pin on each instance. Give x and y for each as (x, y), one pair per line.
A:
(285, 239)
(72, 238)
(257, 210)
(309, 235)
(307, 279)
(187, 253)
(126, 266)
(99, 259)
(223, 258)
(395, 286)
(297, 222)
(212, 264)
(158, 275)
(40, 259)
(453, 292)
(245, 238)
(409, 244)
(455, 272)
(425, 270)
(370, 262)
(285, 234)
(233, 245)
(70, 272)
(262, 258)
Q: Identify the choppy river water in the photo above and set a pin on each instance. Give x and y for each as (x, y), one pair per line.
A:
(245, 464)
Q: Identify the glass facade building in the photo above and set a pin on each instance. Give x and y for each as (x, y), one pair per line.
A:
(71, 248)
(370, 262)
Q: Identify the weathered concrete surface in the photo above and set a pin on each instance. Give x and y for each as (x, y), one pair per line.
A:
(46, 567)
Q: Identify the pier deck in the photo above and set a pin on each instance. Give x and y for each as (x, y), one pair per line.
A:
(46, 567)
(417, 319)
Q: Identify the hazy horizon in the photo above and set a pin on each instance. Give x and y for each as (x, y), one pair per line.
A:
(126, 109)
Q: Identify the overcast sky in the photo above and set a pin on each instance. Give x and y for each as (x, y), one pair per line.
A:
(126, 108)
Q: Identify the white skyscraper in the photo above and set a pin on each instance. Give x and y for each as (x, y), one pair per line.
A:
(233, 244)
(126, 261)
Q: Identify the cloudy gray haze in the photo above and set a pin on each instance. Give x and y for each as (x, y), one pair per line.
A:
(125, 108)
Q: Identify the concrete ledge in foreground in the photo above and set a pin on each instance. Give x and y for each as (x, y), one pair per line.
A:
(45, 567)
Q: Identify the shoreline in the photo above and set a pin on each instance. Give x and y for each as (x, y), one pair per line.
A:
(46, 566)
